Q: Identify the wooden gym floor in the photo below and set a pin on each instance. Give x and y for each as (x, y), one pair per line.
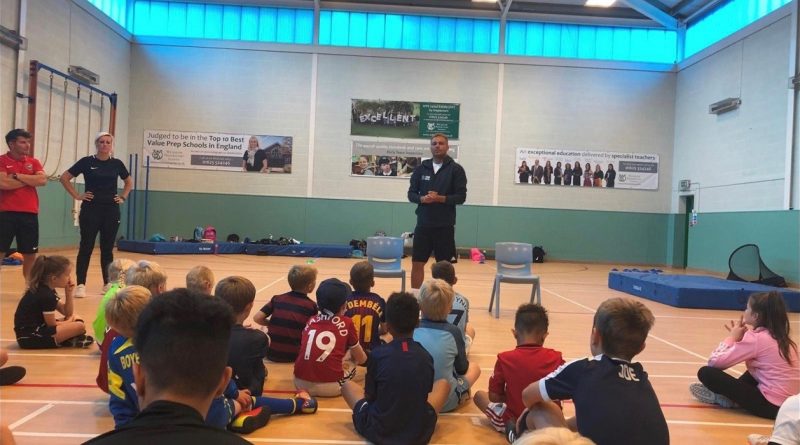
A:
(58, 402)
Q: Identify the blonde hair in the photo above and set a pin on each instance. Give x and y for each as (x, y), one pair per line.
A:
(117, 269)
(436, 299)
(122, 311)
(147, 274)
(553, 436)
(301, 276)
(200, 279)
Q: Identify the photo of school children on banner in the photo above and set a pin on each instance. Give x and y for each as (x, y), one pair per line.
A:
(390, 159)
(580, 168)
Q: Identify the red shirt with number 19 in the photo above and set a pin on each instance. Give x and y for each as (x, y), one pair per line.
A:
(326, 339)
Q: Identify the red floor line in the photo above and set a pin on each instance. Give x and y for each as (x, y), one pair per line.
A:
(54, 385)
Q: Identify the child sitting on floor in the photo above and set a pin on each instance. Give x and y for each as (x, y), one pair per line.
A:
(200, 279)
(35, 322)
(459, 315)
(614, 401)
(288, 314)
(444, 342)
(326, 339)
(152, 277)
(518, 368)
(365, 307)
(400, 399)
(773, 370)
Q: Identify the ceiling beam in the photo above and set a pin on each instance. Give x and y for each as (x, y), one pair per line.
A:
(654, 12)
(505, 8)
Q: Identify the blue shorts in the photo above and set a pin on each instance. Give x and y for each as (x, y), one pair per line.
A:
(366, 429)
(459, 393)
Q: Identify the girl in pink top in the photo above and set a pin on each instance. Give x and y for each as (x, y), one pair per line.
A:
(761, 340)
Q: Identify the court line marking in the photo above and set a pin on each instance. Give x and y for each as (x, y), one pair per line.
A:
(354, 442)
(270, 285)
(39, 354)
(738, 425)
(681, 348)
(662, 362)
(709, 318)
(30, 416)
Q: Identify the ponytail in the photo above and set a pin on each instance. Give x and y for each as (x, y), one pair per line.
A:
(771, 311)
(45, 267)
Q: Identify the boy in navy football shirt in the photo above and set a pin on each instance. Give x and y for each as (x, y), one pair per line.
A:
(614, 401)
(399, 402)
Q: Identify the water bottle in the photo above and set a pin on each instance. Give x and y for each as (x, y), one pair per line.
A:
(483, 257)
(693, 220)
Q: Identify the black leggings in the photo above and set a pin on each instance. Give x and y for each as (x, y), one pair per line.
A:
(94, 219)
(742, 391)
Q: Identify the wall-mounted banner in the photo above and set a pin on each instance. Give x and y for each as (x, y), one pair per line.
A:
(403, 119)
(606, 169)
(390, 159)
(218, 151)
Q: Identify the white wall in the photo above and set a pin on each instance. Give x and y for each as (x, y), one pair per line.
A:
(247, 88)
(737, 157)
(9, 18)
(587, 109)
(226, 91)
(63, 33)
(342, 78)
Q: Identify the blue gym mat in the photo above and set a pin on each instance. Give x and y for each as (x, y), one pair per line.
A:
(178, 248)
(695, 291)
(304, 250)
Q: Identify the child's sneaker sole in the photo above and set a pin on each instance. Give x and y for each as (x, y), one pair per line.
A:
(249, 421)
(496, 412)
(11, 374)
(705, 395)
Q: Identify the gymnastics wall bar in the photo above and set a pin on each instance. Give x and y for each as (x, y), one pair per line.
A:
(33, 82)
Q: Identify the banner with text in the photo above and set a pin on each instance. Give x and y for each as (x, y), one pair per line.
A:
(403, 119)
(390, 159)
(218, 151)
(586, 168)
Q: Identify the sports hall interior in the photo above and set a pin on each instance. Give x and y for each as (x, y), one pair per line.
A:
(299, 80)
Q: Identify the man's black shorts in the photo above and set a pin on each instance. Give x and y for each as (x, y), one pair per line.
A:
(439, 240)
(22, 226)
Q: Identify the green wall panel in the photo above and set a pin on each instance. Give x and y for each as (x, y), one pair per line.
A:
(565, 234)
(55, 217)
(614, 237)
(777, 234)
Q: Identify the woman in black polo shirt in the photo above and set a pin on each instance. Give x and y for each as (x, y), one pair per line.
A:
(100, 204)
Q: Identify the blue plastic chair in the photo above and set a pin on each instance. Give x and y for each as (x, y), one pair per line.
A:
(385, 253)
(514, 266)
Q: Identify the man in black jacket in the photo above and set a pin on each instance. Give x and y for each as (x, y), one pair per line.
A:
(437, 186)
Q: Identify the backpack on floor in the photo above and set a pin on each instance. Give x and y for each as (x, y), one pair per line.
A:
(538, 254)
(210, 233)
(197, 235)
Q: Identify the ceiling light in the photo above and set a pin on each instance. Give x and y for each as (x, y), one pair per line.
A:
(598, 3)
(484, 1)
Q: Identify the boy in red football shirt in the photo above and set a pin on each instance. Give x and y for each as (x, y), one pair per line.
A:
(327, 337)
(516, 369)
